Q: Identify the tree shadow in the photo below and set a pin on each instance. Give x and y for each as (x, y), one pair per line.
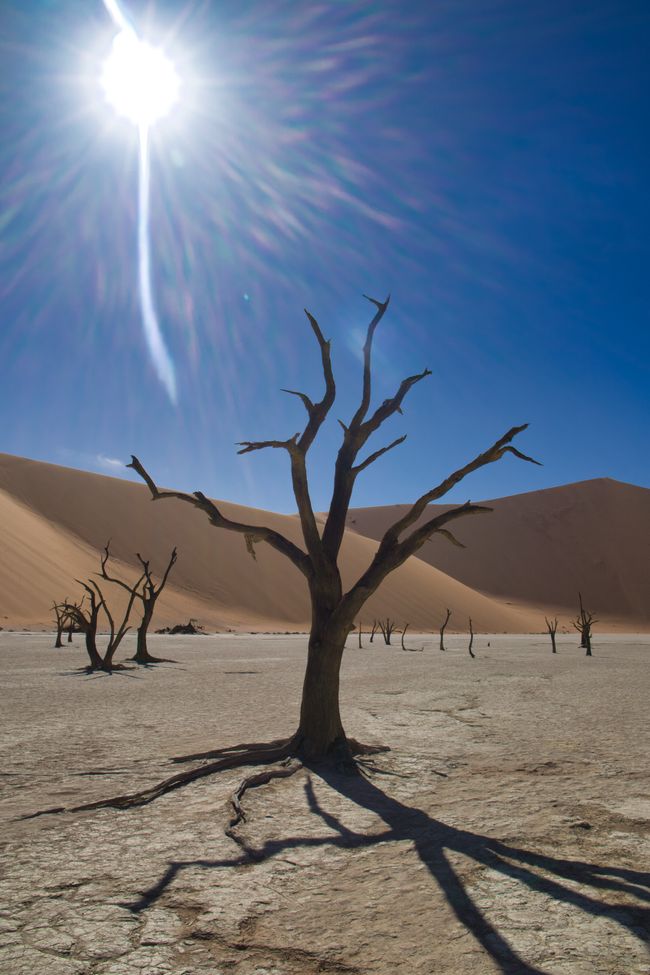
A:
(433, 841)
(91, 673)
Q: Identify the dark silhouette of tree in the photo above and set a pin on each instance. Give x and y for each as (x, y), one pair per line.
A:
(320, 729)
(471, 639)
(147, 595)
(86, 619)
(443, 628)
(320, 734)
(551, 626)
(583, 623)
(387, 627)
(61, 621)
(403, 644)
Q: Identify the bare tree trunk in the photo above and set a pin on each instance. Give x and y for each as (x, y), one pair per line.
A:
(406, 626)
(320, 732)
(142, 655)
(59, 631)
(471, 638)
(442, 630)
(70, 633)
(360, 644)
(96, 661)
(551, 626)
(373, 630)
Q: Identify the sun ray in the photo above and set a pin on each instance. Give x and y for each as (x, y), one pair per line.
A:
(141, 84)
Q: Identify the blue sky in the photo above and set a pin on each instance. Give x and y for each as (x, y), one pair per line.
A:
(484, 162)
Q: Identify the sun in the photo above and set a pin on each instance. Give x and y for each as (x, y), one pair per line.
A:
(139, 80)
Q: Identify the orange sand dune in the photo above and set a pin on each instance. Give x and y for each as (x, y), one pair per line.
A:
(56, 521)
(540, 548)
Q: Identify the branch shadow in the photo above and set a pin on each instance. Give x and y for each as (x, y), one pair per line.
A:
(433, 841)
(88, 673)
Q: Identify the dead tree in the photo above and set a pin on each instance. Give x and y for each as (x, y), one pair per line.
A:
(373, 630)
(320, 730)
(404, 647)
(583, 623)
(471, 639)
(360, 643)
(320, 734)
(551, 626)
(147, 595)
(61, 621)
(387, 627)
(442, 630)
(87, 620)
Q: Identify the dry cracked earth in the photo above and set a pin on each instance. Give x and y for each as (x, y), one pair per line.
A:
(505, 832)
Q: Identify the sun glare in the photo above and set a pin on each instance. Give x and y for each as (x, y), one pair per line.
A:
(139, 80)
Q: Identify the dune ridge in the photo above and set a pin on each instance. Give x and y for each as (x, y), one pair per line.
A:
(540, 548)
(57, 521)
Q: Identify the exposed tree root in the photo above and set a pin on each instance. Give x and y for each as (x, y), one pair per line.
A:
(287, 768)
(256, 746)
(234, 757)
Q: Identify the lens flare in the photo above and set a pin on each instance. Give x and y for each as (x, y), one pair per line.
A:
(141, 84)
(139, 80)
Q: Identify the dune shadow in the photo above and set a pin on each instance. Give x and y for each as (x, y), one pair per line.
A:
(433, 841)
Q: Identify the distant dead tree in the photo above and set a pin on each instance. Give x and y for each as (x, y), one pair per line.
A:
(61, 621)
(373, 630)
(404, 647)
(320, 734)
(551, 626)
(87, 620)
(583, 623)
(360, 644)
(471, 639)
(386, 628)
(147, 595)
(442, 630)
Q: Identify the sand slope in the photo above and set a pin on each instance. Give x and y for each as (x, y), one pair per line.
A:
(542, 547)
(56, 521)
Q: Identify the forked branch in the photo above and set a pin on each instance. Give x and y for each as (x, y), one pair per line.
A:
(489, 456)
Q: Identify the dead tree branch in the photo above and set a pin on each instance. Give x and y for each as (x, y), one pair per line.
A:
(442, 630)
(551, 626)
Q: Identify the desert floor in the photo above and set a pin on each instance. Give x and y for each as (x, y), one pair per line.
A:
(506, 830)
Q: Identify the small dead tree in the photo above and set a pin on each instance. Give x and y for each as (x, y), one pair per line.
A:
(471, 639)
(320, 735)
(404, 647)
(87, 620)
(147, 595)
(360, 643)
(583, 623)
(387, 627)
(551, 626)
(61, 621)
(442, 630)
(373, 630)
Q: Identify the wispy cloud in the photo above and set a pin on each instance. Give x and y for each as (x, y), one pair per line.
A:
(109, 463)
(99, 462)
